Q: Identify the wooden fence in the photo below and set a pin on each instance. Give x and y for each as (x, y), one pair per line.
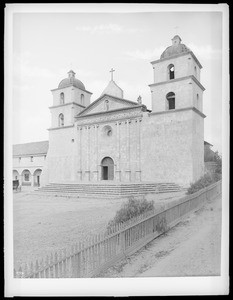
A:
(102, 251)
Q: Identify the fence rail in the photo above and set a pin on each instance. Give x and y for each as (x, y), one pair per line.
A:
(90, 258)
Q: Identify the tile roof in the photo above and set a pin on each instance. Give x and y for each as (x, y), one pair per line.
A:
(31, 148)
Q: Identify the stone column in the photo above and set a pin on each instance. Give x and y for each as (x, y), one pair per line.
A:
(87, 177)
(128, 170)
(73, 159)
(118, 145)
(96, 158)
(33, 179)
(138, 171)
(21, 179)
(80, 153)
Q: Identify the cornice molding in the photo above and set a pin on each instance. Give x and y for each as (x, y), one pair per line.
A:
(72, 87)
(178, 55)
(32, 154)
(61, 127)
(178, 110)
(179, 79)
(94, 122)
(69, 103)
(110, 112)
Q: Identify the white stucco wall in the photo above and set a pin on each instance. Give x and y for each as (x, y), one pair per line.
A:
(198, 146)
(94, 144)
(183, 94)
(60, 155)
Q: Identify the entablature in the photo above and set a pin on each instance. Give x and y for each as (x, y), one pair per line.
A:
(110, 116)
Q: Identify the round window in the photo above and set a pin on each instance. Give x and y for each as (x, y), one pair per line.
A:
(107, 130)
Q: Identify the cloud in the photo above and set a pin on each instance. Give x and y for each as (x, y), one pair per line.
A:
(23, 87)
(106, 29)
(96, 87)
(146, 54)
(24, 67)
(205, 52)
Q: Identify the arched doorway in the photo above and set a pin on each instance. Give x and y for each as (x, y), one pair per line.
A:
(16, 175)
(36, 176)
(107, 168)
(26, 178)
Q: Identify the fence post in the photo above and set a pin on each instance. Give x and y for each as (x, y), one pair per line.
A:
(41, 266)
(47, 267)
(64, 263)
(56, 265)
(31, 270)
(51, 270)
(122, 241)
(60, 274)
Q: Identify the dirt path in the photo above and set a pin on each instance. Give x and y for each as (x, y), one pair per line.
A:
(192, 248)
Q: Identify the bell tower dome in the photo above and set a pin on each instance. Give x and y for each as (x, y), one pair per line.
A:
(69, 99)
(176, 79)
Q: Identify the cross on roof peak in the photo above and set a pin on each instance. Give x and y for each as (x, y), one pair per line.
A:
(111, 71)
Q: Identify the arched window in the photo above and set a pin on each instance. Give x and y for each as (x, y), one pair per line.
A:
(62, 98)
(82, 99)
(171, 72)
(171, 100)
(61, 120)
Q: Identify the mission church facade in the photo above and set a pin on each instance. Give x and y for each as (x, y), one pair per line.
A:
(120, 140)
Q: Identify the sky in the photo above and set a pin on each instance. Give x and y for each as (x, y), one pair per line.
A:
(47, 45)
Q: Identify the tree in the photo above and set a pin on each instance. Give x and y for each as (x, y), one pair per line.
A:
(218, 160)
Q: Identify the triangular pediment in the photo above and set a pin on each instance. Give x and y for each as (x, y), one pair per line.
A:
(107, 103)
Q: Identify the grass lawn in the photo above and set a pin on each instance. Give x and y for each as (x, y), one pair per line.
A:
(44, 224)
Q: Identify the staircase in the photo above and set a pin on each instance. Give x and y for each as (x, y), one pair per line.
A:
(107, 190)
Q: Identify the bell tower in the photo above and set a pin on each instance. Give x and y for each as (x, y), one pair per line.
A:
(69, 99)
(176, 79)
(177, 95)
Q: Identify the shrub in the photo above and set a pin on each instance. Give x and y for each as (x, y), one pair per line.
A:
(209, 154)
(218, 160)
(208, 178)
(201, 183)
(130, 209)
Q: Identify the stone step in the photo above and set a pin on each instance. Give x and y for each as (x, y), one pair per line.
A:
(106, 193)
(108, 190)
(112, 186)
